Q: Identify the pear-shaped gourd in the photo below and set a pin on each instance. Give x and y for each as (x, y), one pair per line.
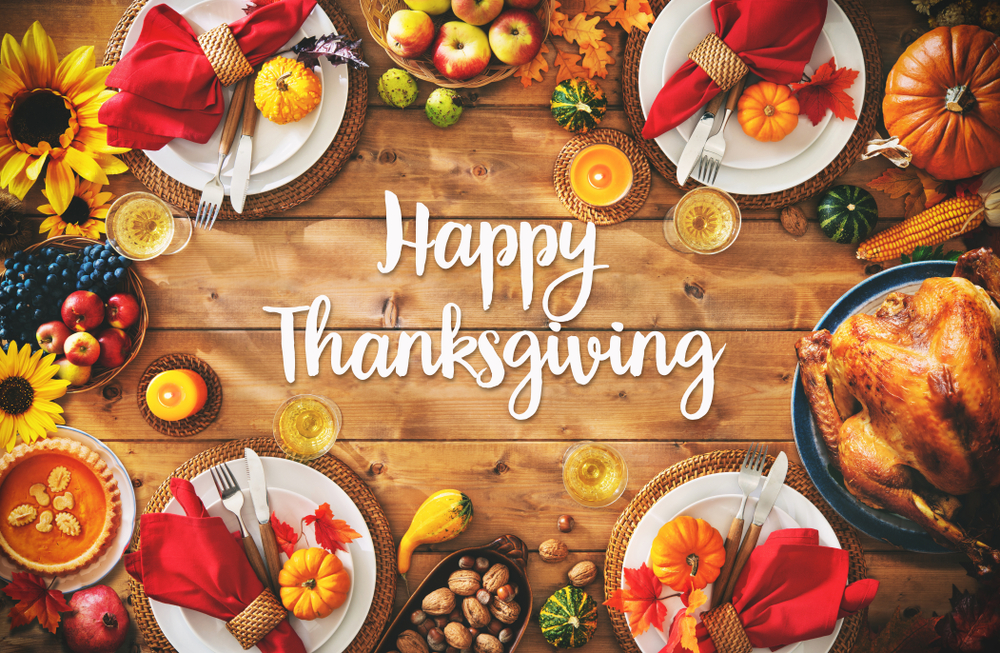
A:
(443, 516)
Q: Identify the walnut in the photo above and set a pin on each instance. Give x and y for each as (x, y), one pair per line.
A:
(456, 635)
(410, 642)
(439, 602)
(67, 524)
(488, 644)
(38, 492)
(22, 515)
(475, 612)
(582, 573)
(464, 582)
(58, 479)
(507, 612)
(495, 578)
(44, 524)
(794, 220)
(553, 551)
(64, 502)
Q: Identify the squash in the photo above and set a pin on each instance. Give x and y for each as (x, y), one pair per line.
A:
(569, 618)
(313, 583)
(443, 516)
(847, 214)
(942, 100)
(286, 91)
(687, 554)
(767, 111)
(578, 104)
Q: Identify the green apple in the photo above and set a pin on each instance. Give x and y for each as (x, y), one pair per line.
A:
(432, 7)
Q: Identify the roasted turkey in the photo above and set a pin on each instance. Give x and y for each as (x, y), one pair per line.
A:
(908, 400)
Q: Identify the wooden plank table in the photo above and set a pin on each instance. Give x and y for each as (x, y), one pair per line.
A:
(409, 437)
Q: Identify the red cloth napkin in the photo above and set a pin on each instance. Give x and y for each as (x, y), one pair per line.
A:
(792, 589)
(774, 38)
(194, 562)
(167, 86)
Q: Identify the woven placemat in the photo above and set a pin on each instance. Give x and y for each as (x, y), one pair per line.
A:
(279, 199)
(602, 215)
(198, 422)
(715, 463)
(862, 24)
(328, 465)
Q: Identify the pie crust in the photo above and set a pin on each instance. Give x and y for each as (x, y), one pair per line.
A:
(73, 537)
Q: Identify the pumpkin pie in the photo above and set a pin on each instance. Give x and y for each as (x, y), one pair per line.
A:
(60, 506)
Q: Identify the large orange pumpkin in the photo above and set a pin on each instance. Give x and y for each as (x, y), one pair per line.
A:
(942, 100)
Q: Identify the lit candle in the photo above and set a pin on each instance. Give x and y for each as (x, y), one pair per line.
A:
(176, 394)
(601, 174)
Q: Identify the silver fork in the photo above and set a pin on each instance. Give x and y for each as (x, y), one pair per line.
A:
(715, 147)
(213, 194)
(232, 499)
(750, 474)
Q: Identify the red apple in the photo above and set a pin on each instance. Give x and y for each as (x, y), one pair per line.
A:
(461, 51)
(516, 36)
(51, 336)
(115, 345)
(75, 374)
(477, 12)
(82, 349)
(409, 33)
(122, 310)
(522, 4)
(82, 310)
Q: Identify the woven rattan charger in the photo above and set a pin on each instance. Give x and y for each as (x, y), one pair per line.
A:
(329, 466)
(716, 463)
(279, 199)
(602, 215)
(862, 24)
(198, 422)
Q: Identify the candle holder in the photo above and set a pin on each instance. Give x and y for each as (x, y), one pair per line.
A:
(197, 422)
(602, 177)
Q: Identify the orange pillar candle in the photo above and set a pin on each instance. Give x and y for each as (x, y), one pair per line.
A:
(600, 174)
(176, 394)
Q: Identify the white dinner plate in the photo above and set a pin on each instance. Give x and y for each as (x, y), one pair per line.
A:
(281, 153)
(743, 151)
(94, 573)
(315, 488)
(796, 507)
(781, 177)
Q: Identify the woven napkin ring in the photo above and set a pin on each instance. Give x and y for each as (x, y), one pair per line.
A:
(726, 630)
(719, 62)
(224, 53)
(257, 619)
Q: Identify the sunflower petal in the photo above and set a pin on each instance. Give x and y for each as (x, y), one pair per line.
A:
(95, 139)
(40, 53)
(7, 435)
(102, 198)
(10, 82)
(20, 186)
(89, 86)
(15, 164)
(111, 165)
(59, 184)
(72, 69)
(12, 56)
(35, 168)
(85, 166)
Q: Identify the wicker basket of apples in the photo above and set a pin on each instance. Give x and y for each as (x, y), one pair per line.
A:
(459, 43)
(79, 299)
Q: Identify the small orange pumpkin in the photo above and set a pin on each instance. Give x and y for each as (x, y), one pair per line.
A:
(286, 91)
(768, 111)
(313, 583)
(687, 553)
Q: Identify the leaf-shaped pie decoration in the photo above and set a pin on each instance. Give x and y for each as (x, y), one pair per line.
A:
(67, 524)
(22, 515)
(59, 479)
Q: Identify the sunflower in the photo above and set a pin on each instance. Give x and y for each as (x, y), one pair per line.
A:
(84, 216)
(48, 118)
(26, 393)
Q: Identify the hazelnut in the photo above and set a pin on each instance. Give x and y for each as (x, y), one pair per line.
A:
(410, 642)
(505, 612)
(452, 649)
(475, 612)
(439, 602)
(418, 617)
(441, 621)
(466, 562)
(464, 582)
(488, 644)
(552, 551)
(473, 631)
(506, 593)
(506, 636)
(495, 578)
(425, 627)
(482, 565)
(582, 573)
(565, 523)
(435, 638)
(456, 615)
(483, 596)
(456, 635)
(495, 626)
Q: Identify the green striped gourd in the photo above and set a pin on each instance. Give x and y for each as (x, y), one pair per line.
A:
(569, 618)
(847, 214)
(578, 104)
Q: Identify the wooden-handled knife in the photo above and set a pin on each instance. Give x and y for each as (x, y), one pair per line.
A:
(258, 492)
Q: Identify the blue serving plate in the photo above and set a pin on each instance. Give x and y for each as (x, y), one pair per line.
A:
(865, 297)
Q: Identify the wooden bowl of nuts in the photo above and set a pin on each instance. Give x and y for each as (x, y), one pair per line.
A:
(475, 599)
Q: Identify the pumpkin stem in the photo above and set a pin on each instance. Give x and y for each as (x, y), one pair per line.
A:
(850, 207)
(958, 99)
(281, 83)
(769, 110)
(692, 560)
(309, 584)
(580, 106)
(574, 621)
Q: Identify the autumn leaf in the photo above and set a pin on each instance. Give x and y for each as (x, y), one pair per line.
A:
(557, 19)
(591, 7)
(597, 58)
(568, 64)
(582, 31)
(827, 90)
(331, 534)
(285, 535)
(973, 623)
(641, 600)
(533, 69)
(35, 600)
(683, 629)
(900, 635)
(631, 13)
(919, 190)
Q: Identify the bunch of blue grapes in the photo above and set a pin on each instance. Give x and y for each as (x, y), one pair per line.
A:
(101, 270)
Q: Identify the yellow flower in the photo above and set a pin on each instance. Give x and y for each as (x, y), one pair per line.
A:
(26, 393)
(84, 216)
(48, 118)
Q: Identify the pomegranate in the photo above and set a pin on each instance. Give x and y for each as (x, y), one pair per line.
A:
(98, 623)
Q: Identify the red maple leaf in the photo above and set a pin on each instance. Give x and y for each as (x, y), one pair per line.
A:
(285, 535)
(35, 600)
(331, 534)
(642, 600)
(973, 623)
(827, 90)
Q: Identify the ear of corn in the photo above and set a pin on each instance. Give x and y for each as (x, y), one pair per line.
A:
(941, 222)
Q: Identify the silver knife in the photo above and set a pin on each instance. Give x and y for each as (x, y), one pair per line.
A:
(258, 492)
(695, 144)
(241, 169)
(775, 481)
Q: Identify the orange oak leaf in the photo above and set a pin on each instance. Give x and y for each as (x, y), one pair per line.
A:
(557, 19)
(568, 65)
(683, 629)
(642, 600)
(919, 190)
(582, 30)
(35, 600)
(827, 90)
(631, 13)
(285, 535)
(533, 69)
(331, 534)
(597, 58)
(591, 7)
